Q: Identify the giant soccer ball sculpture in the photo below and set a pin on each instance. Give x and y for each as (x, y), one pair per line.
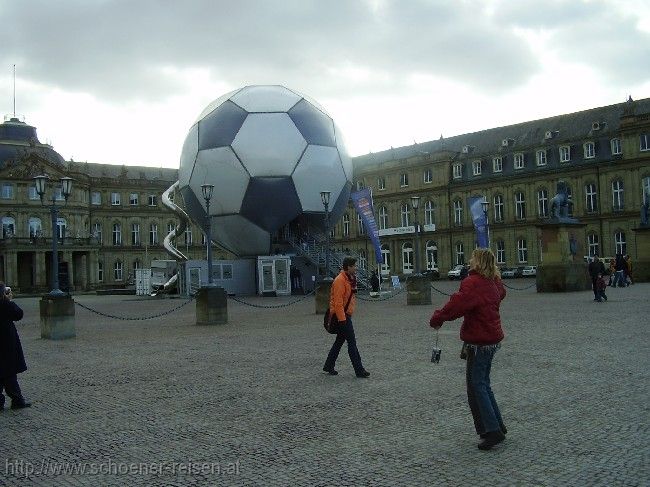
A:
(269, 152)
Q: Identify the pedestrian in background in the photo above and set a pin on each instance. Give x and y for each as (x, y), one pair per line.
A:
(601, 286)
(596, 270)
(478, 301)
(12, 359)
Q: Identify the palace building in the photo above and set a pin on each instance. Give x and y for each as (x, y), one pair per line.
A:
(114, 222)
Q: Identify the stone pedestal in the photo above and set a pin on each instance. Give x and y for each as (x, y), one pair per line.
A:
(561, 269)
(211, 306)
(323, 296)
(418, 290)
(641, 262)
(57, 317)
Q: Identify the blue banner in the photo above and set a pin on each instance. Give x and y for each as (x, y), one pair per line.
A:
(362, 201)
(480, 220)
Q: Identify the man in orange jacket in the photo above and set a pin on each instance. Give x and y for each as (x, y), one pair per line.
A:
(342, 303)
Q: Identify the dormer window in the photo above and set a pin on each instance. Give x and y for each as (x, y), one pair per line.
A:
(506, 142)
(548, 134)
(540, 157)
(590, 150)
(565, 153)
(458, 171)
(476, 168)
(519, 160)
(497, 164)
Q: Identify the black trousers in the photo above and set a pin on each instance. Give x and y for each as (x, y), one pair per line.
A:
(10, 386)
(345, 333)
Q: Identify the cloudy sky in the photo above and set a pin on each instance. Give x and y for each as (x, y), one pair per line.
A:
(121, 81)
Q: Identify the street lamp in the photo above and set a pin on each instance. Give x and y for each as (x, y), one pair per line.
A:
(325, 198)
(485, 204)
(415, 202)
(206, 191)
(66, 190)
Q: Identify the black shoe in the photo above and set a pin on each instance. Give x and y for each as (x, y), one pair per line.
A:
(504, 430)
(20, 404)
(490, 439)
(330, 371)
(363, 374)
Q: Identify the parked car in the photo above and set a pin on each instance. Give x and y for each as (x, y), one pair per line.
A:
(455, 272)
(507, 272)
(529, 270)
(432, 274)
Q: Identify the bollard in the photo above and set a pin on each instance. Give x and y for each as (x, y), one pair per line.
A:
(418, 290)
(211, 306)
(57, 317)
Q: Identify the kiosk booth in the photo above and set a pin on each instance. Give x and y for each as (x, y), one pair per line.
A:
(273, 275)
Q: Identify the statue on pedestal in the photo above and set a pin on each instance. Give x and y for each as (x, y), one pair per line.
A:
(560, 204)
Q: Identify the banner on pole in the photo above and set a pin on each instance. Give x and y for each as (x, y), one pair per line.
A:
(362, 201)
(479, 219)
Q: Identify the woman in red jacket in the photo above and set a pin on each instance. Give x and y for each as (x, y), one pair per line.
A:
(478, 300)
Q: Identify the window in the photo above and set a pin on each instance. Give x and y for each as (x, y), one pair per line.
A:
(615, 144)
(118, 270)
(592, 244)
(361, 229)
(519, 161)
(522, 251)
(403, 180)
(542, 203)
(590, 150)
(58, 194)
(363, 259)
(429, 216)
(591, 200)
(458, 212)
(135, 234)
(95, 198)
(133, 199)
(97, 232)
(432, 255)
(501, 252)
(117, 234)
(619, 241)
(476, 168)
(381, 183)
(645, 188)
(565, 153)
(152, 200)
(385, 259)
(32, 194)
(497, 164)
(569, 195)
(618, 202)
(7, 191)
(8, 227)
(115, 199)
(498, 208)
(458, 171)
(540, 157)
(460, 253)
(427, 176)
(35, 227)
(100, 271)
(346, 225)
(383, 218)
(61, 228)
(644, 142)
(407, 258)
(153, 234)
(188, 236)
(170, 227)
(333, 231)
(520, 206)
(405, 212)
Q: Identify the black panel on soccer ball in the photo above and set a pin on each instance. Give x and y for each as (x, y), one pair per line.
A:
(193, 207)
(316, 127)
(219, 127)
(271, 202)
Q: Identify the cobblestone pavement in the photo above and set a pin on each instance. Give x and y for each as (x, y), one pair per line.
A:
(166, 403)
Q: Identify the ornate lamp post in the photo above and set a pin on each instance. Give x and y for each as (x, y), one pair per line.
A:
(206, 191)
(66, 190)
(486, 205)
(415, 202)
(325, 198)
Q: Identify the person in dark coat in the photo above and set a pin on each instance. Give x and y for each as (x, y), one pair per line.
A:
(12, 360)
(619, 276)
(596, 269)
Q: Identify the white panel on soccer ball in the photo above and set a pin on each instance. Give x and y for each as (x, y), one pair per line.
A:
(221, 168)
(188, 155)
(319, 170)
(269, 144)
(266, 99)
(343, 151)
(214, 104)
(240, 236)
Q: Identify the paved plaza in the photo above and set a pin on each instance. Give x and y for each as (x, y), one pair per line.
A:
(163, 402)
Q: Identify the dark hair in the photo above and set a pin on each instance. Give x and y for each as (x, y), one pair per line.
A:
(348, 261)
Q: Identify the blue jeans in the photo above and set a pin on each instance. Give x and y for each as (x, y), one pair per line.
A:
(345, 333)
(482, 404)
(619, 277)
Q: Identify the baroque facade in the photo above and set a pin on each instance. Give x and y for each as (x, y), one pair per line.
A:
(603, 154)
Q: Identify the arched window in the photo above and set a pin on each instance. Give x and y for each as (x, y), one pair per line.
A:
(383, 218)
(407, 257)
(35, 227)
(501, 252)
(432, 255)
(385, 257)
(429, 216)
(522, 251)
(346, 225)
(458, 213)
(592, 245)
(460, 253)
(100, 271)
(520, 206)
(591, 198)
(153, 234)
(542, 203)
(8, 227)
(569, 194)
(118, 270)
(405, 211)
(135, 234)
(363, 259)
(361, 229)
(618, 200)
(498, 208)
(188, 236)
(97, 232)
(645, 188)
(117, 234)
(61, 227)
(619, 242)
